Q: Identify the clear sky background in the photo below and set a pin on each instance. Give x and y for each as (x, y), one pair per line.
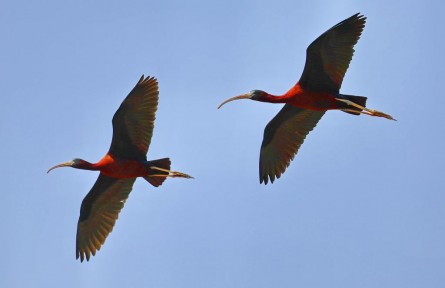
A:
(362, 204)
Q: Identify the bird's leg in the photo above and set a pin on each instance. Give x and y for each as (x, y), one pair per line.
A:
(367, 111)
(356, 111)
(172, 174)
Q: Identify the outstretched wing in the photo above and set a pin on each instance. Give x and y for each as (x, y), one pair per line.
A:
(283, 137)
(133, 122)
(99, 212)
(328, 57)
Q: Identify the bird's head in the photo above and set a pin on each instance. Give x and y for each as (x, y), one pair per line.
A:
(75, 163)
(256, 95)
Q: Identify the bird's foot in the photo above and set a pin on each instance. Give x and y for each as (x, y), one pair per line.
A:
(381, 114)
(173, 174)
(365, 110)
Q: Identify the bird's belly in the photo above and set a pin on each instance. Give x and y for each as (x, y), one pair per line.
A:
(124, 169)
(318, 101)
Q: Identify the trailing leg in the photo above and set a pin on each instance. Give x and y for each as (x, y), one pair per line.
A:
(364, 110)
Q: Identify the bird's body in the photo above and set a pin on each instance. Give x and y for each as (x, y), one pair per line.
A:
(317, 91)
(303, 98)
(126, 160)
(120, 168)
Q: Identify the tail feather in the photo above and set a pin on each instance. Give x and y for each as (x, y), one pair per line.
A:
(163, 163)
(360, 100)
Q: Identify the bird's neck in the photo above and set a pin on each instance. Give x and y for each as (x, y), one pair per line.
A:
(85, 165)
(269, 98)
(288, 97)
(103, 163)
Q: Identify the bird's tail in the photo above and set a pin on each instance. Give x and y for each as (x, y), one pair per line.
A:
(156, 177)
(360, 100)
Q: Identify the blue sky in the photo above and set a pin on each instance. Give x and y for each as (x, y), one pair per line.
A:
(362, 204)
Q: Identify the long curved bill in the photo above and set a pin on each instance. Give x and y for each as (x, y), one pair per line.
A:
(243, 96)
(65, 164)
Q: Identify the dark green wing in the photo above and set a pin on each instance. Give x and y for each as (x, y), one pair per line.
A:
(99, 212)
(283, 137)
(328, 57)
(133, 122)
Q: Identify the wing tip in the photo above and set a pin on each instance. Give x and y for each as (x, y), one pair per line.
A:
(82, 255)
(360, 18)
(85, 254)
(148, 79)
(266, 177)
(358, 15)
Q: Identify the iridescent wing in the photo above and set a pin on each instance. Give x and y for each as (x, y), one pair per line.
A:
(283, 137)
(133, 122)
(328, 57)
(99, 212)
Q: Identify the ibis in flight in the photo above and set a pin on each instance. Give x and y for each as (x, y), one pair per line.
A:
(126, 160)
(318, 90)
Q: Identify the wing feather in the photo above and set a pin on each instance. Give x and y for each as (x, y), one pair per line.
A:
(133, 122)
(99, 212)
(283, 136)
(328, 57)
